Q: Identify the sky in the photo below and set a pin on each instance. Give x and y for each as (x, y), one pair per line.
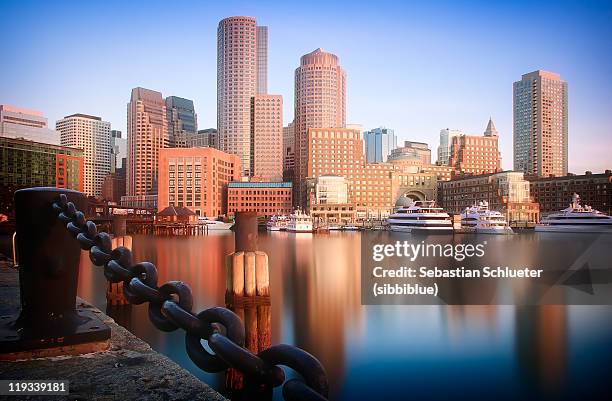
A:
(416, 67)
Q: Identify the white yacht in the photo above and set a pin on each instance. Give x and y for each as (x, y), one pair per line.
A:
(299, 222)
(420, 216)
(212, 224)
(576, 219)
(277, 223)
(482, 220)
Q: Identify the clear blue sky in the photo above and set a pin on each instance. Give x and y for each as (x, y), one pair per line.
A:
(415, 67)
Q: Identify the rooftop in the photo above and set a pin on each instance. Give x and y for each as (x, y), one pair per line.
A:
(238, 184)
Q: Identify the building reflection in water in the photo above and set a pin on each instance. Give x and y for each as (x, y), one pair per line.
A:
(326, 288)
(315, 304)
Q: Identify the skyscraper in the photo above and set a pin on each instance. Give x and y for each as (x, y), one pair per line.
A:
(182, 121)
(288, 152)
(16, 122)
(379, 143)
(262, 60)
(147, 134)
(93, 135)
(320, 102)
(444, 149)
(118, 150)
(267, 137)
(540, 124)
(240, 63)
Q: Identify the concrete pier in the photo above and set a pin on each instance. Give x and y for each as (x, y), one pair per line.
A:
(129, 369)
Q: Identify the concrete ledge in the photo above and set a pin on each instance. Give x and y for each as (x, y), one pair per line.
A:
(128, 370)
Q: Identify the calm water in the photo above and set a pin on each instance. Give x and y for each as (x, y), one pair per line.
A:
(416, 352)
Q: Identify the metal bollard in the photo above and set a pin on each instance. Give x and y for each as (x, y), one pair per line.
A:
(245, 231)
(48, 276)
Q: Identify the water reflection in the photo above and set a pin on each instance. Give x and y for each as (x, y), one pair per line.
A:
(420, 352)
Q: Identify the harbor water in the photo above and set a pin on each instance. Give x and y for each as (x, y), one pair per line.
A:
(391, 352)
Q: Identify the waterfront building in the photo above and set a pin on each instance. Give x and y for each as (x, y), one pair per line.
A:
(417, 151)
(147, 134)
(507, 192)
(25, 164)
(241, 64)
(196, 178)
(320, 101)
(182, 121)
(540, 124)
(373, 188)
(118, 150)
(17, 122)
(265, 198)
(339, 151)
(288, 152)
(139, 201)
(442, 173)
(555, 193)
(113, 186)
(444, 149)
(471, 154)
(267, 137)
(204, 138)
(93, 135)
(329, 203)
(379, 143)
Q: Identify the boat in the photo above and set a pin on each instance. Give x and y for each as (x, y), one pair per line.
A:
(350, 228)
(277, 223)
(299, 222)
(333, 228)
(482, 220)
(212, 224)
(576, 218)
(420, 217)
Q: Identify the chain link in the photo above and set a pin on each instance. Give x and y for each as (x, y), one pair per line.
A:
(170, 309)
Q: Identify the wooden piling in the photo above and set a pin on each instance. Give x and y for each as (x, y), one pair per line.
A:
(262, 274)
(249, 274)
(238, 274)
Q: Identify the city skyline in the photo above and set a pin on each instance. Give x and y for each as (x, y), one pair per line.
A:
(393, 79)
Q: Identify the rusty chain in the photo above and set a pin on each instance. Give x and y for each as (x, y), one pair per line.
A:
(170, 308)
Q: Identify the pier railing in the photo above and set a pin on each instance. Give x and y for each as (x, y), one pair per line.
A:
(169, 305)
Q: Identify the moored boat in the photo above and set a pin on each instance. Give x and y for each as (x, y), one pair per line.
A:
(421, 217)
(576, 218)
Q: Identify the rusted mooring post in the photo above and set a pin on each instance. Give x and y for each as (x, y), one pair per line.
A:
(48, 275)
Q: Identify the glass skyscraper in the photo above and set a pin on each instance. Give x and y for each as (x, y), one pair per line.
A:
(379, 143)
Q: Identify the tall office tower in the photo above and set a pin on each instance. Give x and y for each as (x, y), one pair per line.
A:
(16, 122)
(288, 152)
(238, 70)
(118, 150)
(379, 143)
(147, 134)
(540, 124)
(182, 121)
(267, 137)
(93, 135)
(205, 138)
(320, 102)
(444, 149)
(262, 60)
